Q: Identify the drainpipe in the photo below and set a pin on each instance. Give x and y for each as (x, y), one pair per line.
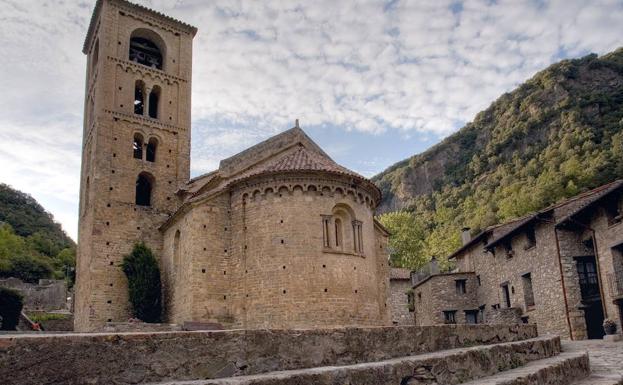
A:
(597, 266)
(562, 280)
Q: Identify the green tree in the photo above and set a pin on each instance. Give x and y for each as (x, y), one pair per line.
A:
(11, 304)
(406, 243)
(145, 289)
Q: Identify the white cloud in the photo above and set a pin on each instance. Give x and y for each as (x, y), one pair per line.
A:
(371, 66)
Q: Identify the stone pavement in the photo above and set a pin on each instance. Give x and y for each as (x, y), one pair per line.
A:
(606, 359)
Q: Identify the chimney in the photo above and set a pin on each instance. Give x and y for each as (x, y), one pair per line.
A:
(434, 266)
(465, 235)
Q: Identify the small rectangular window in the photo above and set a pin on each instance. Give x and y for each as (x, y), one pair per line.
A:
(461, 286)
(471, 316)
(527, 290)
(449, 316)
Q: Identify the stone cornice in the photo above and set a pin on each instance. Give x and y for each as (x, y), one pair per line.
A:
(154, 72)
(153, 123)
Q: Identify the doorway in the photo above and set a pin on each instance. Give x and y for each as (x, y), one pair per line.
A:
(591, 296)
(507, 296)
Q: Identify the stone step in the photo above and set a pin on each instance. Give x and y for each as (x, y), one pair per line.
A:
(558, 370)
(443, 367)
(596, 379)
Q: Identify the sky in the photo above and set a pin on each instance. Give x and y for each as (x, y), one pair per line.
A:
(372, 82)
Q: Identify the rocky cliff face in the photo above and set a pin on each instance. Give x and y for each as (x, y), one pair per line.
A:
(573, 109)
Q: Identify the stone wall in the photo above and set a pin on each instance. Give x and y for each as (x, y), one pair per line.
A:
(540, 262)
(103, 358)
(505, 316)
(48, 294)
(439, 293)
(110, 222)
(399, 303)
(260, 246)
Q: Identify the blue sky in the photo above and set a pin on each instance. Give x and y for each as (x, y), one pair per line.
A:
(373, 82)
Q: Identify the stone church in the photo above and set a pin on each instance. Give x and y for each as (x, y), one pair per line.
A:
(279, 236)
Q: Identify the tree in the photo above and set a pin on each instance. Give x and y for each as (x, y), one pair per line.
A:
(406, 240)
(11, 304)
(145, 289)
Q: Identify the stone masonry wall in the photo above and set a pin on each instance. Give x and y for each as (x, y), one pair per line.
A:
(103, 358)
(110, 222)
(259, 261)
(540, 261)
(399, 302)
(438, 293)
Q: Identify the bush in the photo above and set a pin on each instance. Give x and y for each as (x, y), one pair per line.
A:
(141, 269)
(11, 304)
(29, 268)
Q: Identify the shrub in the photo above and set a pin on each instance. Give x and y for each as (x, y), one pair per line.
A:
(11, 304)
(141, 269)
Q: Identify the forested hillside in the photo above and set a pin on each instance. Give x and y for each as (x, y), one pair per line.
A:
(32, 245)
(556, 135)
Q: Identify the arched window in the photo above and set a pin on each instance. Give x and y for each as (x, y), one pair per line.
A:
(146, 52)
(338, 233)
(137, 146)
(151, 150)
(154, 98)
(139, 97)
(346, 231)
(176, 252)
(144, 187)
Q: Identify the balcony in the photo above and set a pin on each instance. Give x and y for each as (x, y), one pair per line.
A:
(615, 281)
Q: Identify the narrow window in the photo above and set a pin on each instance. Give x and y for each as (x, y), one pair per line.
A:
(478, 279)
(528, 294)
(139, 97)
(338, 232)
(154, 97)
(613, 209)
(137, 146)
(461, 286)
(144, 186)
(85, 203)
(176, 251)
(449, 316)
(508, 248)
(150, 156)
(531, 238)
(325, 231)
(506, 294)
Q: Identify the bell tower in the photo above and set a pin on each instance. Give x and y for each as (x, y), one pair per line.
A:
(135, 147)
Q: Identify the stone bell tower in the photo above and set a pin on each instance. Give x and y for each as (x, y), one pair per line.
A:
(135, 148)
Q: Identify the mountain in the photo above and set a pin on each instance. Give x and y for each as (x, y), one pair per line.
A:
(32, 245)
(556, 135)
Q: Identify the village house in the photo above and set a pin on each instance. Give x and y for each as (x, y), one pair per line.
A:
(561, 268)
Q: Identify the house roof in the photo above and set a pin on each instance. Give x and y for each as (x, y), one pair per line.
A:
(291, 151)
(397, 273)
(98, 7)
(562, 212)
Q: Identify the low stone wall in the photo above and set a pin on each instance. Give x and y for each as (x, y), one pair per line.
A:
(98, 358)
(506, 316)
(48, 294)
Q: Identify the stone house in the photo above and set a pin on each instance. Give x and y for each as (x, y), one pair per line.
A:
(399, 289)
(279, 236)
(561, 268)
